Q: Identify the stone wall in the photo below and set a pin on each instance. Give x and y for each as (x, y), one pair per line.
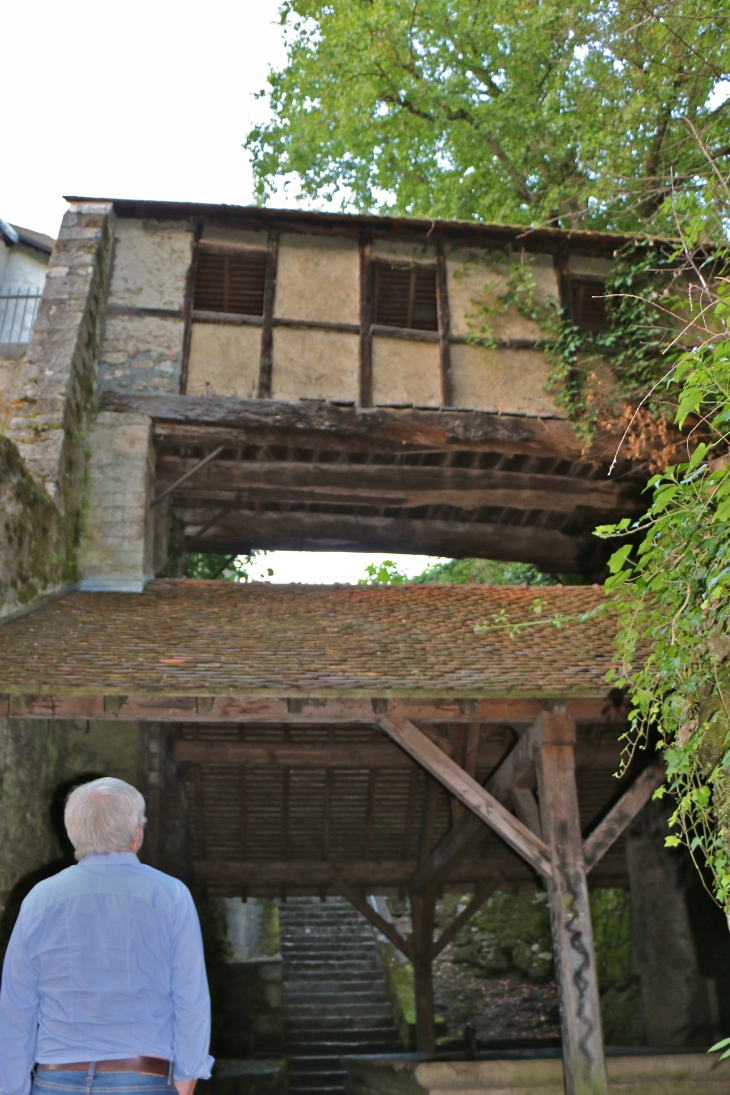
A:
(45, 419)
(38, 759)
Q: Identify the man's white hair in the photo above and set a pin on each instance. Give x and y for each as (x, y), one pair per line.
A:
(103, 816)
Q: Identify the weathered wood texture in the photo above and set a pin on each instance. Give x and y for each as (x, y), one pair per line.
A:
(487, 808)
(423, 907)
(363, 906)
(624, 812)
(444, 317)
(267, 320)
(405, 485)
(580, 1010)
(326, 424)
(365, 350)
(283, 531)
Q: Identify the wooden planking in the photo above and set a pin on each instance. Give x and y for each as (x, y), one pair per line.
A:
(327, 425)
(516, 835)
(610, 829)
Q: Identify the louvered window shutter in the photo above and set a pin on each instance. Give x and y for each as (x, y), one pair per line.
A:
(406, 297)
(587, 305)
(230, 282)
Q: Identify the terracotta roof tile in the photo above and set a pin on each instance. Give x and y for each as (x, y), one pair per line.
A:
(219, 638)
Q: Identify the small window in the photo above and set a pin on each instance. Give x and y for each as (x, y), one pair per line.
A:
(406, 297)
(588, 306)
(230, 282)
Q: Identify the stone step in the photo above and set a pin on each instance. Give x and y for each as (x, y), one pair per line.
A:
(344, 1048)
(325, 1025)
(325, 994)
(358, 979)
(304, 1009)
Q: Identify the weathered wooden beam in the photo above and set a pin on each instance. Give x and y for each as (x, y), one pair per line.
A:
(299, 531)
(407, 484)
(423, 908)
(300, 711)
(516, 768)
(323, 423)
(624, 812)
(363, 906)
(368, 873)
(487, 808)
(526, 809)
(267, 319)
(481, 893)
(580, 1011)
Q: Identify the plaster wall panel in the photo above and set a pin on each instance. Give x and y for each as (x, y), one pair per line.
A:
(150, 265)
(406, 372)
(318, 278)
(395, 249)
(224, 360)
(511, 381)
(25, 271)
(480, 277)
(235, 237)
(314, 365)
(586, 266)
(141, 354)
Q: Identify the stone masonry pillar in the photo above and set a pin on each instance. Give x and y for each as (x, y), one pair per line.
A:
(116, 550)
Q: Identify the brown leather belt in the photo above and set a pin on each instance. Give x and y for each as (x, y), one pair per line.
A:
(146, 1066)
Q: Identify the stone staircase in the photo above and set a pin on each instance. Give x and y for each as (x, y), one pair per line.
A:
(335, 1000)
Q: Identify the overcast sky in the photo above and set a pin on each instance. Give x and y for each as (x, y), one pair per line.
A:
(142, 100)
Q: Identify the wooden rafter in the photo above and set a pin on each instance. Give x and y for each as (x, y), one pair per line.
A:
(481, 894)
(355, 897)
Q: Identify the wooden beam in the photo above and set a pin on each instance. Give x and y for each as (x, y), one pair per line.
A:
(526, 809)
(516, 768)
(188, 306)
(444, 320)
(365, 351)
(322, 424)
(580, 1012)
(487, 808)
(359, 755)
(299, 711)
(363, 906)
(368, 873)
(481, 894)
(624, 812)
(300, 531)
(423, 908)
(266, 356)
(405, 484)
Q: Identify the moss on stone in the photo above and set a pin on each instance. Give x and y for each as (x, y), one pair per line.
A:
(511, 931)
(269, 941)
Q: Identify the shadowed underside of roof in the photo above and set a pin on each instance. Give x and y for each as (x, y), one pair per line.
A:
(219, 638)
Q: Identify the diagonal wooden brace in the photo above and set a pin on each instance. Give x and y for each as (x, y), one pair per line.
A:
(486, 807)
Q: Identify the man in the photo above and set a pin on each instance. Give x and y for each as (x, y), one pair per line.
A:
(104, 986)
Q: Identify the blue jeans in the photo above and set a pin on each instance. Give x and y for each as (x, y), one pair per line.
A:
(52, 1082)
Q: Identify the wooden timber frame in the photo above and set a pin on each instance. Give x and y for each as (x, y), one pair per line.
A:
(530, 803)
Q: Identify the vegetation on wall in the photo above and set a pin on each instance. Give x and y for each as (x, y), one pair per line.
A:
(228, 568)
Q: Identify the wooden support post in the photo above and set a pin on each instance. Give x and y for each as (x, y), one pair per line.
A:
(580, 1012)
(423, 907)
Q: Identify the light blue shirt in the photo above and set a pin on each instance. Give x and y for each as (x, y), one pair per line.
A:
(105, 962)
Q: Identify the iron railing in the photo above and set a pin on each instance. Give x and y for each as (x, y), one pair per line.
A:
(18, 311)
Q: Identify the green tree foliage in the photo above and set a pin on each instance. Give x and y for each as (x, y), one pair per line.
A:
(228, 568)
(467, 572)
(551, 112)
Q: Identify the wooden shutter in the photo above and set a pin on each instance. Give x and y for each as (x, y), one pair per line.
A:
(588, 308)
(406, 297)
(230, 282)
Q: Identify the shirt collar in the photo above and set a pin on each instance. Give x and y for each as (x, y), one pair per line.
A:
(113, 857)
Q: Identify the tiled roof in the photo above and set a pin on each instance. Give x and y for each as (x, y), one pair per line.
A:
(218, 638)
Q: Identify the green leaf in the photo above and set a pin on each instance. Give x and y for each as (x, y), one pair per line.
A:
(618, 558)
(672, 842)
